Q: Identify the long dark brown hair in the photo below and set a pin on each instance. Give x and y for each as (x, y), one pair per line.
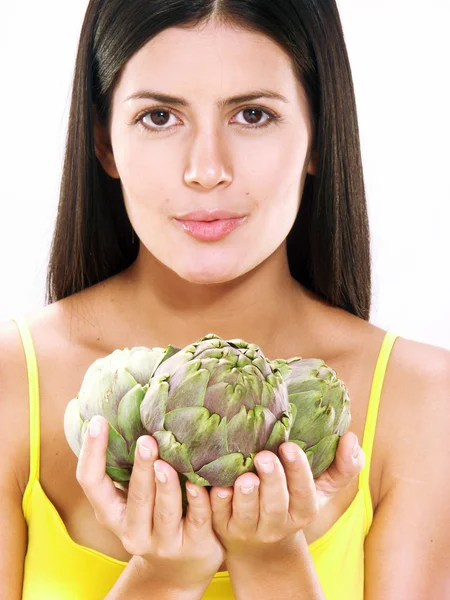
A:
(329, 243)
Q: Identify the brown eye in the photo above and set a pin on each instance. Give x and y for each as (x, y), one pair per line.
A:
(157, 120)
(157, 117)
(252, 115)
(255, 117)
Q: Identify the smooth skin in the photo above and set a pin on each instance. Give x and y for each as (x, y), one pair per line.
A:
(178, 290)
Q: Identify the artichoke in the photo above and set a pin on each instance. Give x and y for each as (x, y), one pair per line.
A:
(114, 387)
(213, 406)
(321, 408)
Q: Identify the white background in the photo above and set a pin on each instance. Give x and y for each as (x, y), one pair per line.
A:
(400, 56)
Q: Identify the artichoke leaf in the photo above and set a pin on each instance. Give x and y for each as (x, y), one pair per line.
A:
(132, 452)
(322, 454)
(195, 478)
(308, 367)
(309, 384)
(142, 362)
(212, 353)
(282, 367)
(239, 343)
(204, 434)
(300, 444)
(226, 399)
(274, 379)
(174, 362)
(172, 451)
(119, 474)
(214, 364)
(84, 430)
(242, 361)
(279, 400)
(253, 386)
(279, 435)
(260, 363)
(101, 393)
(129, 415)
(338, 398)
(117, 449)
(293, 414)
(344, 422)
(327, 374)
(248, 431)
(190, 389)
(268, 393)
(153, 406)
(73, 424)
(313, 420)
(222, 371)
(225, 470)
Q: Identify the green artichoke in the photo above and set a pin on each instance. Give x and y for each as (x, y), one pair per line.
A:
(321, 408)
(213, 406)
(114, 387)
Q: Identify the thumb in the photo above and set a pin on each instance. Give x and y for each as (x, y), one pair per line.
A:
(347, 465)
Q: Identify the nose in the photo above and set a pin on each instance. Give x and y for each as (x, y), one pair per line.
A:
(208, 161)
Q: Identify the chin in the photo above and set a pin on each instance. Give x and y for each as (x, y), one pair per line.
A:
(211, 276)
(207, 278)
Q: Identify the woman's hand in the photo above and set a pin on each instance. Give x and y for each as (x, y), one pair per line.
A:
(263, 511)
(148, 519)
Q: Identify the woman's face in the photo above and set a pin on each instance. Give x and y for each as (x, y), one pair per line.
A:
(248, 158)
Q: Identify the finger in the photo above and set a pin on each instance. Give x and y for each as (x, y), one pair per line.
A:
(221, 499)
(198, 514)
(303, 502)
(348, 463)
(349, 460)
(245, 506)
(107, 501)
(141, 497)
(168, 510)
(273, 493)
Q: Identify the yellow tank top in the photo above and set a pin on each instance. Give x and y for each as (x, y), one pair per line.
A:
(57, 568)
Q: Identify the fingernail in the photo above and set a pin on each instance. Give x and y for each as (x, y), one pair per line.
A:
(266, 467)
(95, 426)
(223, 494)
(356, 449)
(160, 476)
(289, 455)
(192, 491)
(144, 451)
(247, 490)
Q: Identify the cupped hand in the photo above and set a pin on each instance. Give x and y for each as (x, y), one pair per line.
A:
(148, 518)
(263, 510)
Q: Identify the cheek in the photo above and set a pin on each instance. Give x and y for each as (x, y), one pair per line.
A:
(147, 180)
(137, 164)
(279, 180)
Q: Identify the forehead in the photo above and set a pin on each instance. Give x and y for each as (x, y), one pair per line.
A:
(225, 58)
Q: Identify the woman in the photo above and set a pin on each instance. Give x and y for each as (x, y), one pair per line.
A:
(213, 183)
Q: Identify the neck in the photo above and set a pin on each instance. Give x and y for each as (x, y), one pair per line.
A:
(253, 307)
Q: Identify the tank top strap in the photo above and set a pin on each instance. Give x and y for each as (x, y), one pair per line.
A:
(371, 418)
(33, 394)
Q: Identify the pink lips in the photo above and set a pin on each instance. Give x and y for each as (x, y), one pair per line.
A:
(210, 230)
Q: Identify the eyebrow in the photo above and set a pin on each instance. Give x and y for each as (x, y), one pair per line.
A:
(167, 99)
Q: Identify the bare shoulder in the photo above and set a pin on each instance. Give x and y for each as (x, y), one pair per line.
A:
(13, 450)
(411, 523)
(419, 359)
(55, 334)
(414, 414)
(14, 431)
(418, 378)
